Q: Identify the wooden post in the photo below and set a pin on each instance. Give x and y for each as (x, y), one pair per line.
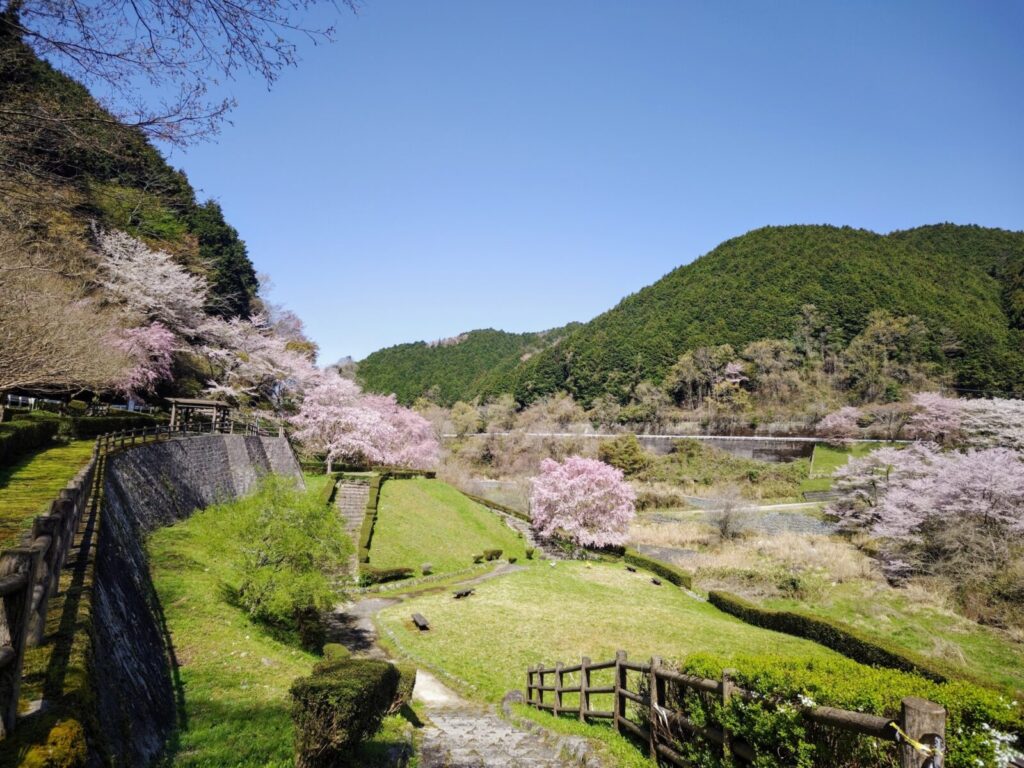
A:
(727, 688)
(540, 685)
(558, 688)
(529, 684)
(584, 686)
(925, 722)
(653, 702)
(621, 684)
(17, 608)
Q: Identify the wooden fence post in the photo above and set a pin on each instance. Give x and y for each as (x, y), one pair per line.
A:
(621, 684)
(529, 684)
(727, 690)
(558, 688)
(584, 685)
(540, 685)
(15, 564)
(925, 722)
(655, 698)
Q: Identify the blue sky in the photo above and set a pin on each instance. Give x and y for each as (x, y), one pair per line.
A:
(461, 164)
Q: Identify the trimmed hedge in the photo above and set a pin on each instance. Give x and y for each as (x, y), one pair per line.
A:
(494, 505)
(18, 437)
(668, 572)
(327, 495)
(94, 426)
(406, 682)
(369, 575)
(841, 638)
(340, 705)
(492, 554)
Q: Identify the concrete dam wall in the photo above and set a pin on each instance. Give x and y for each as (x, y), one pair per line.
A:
(146, 488)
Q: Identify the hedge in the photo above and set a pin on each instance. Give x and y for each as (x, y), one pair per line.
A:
(18, 437)
(839, 637)
(406, 682)
(369, 575)
(340, 705)
(94, 426)
(494, 505)
(773, 725)
(668, 572)
(327, 494)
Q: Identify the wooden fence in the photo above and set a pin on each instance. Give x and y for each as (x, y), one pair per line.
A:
(919, 735)
(30, 573)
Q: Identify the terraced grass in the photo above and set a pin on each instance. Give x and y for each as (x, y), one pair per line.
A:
(427, 521)
(29, 485)
(548, 614)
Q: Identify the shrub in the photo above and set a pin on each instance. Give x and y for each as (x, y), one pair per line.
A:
(624, 452)
(529, 552)
(369, 575)
(512, 560)
(291, 544)
(336, 652)
(668, 572)
(21, 436)
(87, 427)
(340, 705)
(327, 495)
(492, 554)
(477, 559)
(775, 728)
(406, 682)
(426, 569)
(66, 747)
(843, 639)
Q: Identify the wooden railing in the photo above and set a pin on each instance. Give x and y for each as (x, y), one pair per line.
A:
(919, 734)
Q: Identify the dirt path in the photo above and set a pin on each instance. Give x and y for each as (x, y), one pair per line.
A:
(460, 733)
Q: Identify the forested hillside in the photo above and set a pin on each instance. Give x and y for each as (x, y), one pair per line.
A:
(966, 283)
(452, 369)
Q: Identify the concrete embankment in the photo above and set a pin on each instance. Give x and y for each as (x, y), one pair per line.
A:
(132, 653)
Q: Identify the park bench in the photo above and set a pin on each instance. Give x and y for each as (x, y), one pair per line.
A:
(656, 582)
(420, 621)
(631, 569)
(463, 593)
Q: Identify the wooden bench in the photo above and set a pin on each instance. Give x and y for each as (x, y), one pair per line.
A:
(420, 621)
(463, 593)
(656, 582)
(631, 569)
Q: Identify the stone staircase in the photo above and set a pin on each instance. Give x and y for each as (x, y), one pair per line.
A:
(351, 498)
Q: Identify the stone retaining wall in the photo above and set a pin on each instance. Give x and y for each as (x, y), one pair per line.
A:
(145, 488)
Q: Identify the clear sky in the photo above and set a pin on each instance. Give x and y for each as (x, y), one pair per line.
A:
(448, 165)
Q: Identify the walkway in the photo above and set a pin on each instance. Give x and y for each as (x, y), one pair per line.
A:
(459, 733)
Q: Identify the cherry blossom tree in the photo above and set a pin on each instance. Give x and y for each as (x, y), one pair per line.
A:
(584, 500)
(150, 283)
(344, 424)
(151, 349)
(840, 424)
(977, 422)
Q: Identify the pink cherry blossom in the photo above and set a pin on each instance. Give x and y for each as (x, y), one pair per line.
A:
(585, 500)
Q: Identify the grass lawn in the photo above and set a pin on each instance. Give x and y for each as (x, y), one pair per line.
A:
(548, 614)
(427, 521)
(826, 458)
(895, 616)
(29, 485)
(234, 672)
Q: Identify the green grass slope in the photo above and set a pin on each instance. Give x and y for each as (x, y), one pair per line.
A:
(426, 521)
(455, 371)
(29, 485)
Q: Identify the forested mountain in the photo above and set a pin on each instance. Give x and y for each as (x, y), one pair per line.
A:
(65, 163)
(453, 369)
(965, 282)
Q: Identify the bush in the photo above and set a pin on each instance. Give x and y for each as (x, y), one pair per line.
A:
(21, 436)
(369, 575)
(668, 572)
(477, 559)
(773, 725)
(66, 747)
(339, 706)
(529, 552)
(426, 569)
(843, 639)
(406, 682)
(292, 545)
(625, 453)
(492, 554)
(327, 495)
(93, 426)
(336, 652)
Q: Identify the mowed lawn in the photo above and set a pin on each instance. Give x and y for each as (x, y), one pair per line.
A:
(31, 482)
(426, 521)
(547, 614)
